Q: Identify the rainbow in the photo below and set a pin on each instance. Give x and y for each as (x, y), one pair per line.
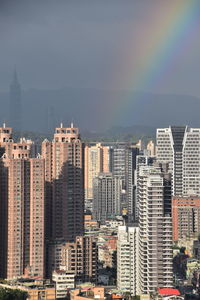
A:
(170, 33)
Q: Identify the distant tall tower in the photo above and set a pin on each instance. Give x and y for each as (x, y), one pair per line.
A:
(15, 103)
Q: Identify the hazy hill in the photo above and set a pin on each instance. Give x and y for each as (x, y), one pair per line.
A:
(90, 109)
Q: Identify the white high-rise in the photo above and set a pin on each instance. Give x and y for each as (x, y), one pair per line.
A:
(128, 260)
(155, 230)
(180, 147)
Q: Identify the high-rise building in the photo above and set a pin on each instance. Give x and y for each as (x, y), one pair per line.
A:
(180, 147)
(123, 164)
(80, 257)
(141, 160)
(185, 217)
(128, 260)
(107, 196)
(155, 230)
(22, 149)
(23, 197)
(64, 184)
(96, 160)
(151, 148)
(15, 103)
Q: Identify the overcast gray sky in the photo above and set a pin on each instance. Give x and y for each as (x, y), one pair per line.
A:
(97, 43)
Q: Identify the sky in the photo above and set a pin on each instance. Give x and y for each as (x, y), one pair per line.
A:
(104, 44)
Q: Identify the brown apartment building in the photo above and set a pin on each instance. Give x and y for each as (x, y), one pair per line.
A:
(22, 196)
(80, 257)
(64, 184)
(185, 216)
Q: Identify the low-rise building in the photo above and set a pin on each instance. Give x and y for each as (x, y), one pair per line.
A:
(88, 293)
(36, 290)
(64, 281)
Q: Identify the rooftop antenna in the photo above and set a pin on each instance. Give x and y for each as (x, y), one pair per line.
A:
(72, 123)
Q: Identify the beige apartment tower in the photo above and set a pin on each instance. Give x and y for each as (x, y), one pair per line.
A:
(96, 160)
(64, 184)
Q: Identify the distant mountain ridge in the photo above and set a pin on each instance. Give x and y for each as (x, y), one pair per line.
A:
(89, 109)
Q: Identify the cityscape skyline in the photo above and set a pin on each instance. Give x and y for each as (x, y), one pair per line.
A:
(100, 150)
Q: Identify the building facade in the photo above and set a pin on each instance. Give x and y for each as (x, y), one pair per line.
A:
(64, 184)
(82, 258)
(64, 281)
(185, 217)
(107, 196)
(155, 230)
(22, 199)
(96, 160)
(128, 260)
(180, 147)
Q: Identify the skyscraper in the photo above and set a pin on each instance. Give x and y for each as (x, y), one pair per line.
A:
(141, 160)
(107, 196)
(180, 147)
(17, 195)
(22, 198)
(96, 160)
(123, 164)
(26, 200)
(64, 184)
(155, 230)
(15, 103)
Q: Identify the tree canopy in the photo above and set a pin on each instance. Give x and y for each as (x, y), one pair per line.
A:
(12, 294)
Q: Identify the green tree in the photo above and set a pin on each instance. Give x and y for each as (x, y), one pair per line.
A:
(12, 294)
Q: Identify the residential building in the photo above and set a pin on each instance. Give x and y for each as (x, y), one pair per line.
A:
(141, 160)
(151, 148)
(64, 281)
(180, 147)
(185, 217)
(155, 230)
(123, 164)
(96, 160)
(128, 260)
(36, 289)
(23, 198)
(88, 293)
(64, 184)
(107, 196)
(81, 257)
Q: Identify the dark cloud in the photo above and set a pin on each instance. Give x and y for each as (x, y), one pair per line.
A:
(84, 43)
